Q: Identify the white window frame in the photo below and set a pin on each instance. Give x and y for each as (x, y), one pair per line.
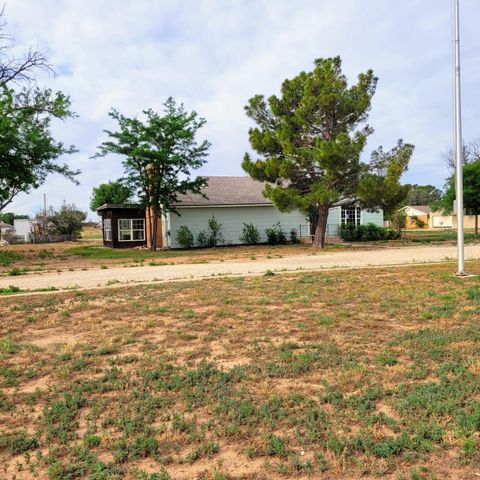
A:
(357, 215)
(107, 229)
(130, 229)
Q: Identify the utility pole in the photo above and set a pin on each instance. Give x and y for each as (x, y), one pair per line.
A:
(45, 205)
(458, 142)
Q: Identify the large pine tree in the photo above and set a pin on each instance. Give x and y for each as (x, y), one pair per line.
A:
(309, 140)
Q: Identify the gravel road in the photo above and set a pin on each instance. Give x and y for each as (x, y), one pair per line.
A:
(333, 259)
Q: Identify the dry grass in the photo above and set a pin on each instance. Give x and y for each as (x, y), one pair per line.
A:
(320, 375)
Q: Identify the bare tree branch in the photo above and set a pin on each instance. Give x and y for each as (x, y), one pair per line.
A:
(19, 69)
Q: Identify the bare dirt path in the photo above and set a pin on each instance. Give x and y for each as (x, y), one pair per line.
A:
(330, 260)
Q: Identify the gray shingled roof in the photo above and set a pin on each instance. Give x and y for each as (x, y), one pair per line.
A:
(227, 191)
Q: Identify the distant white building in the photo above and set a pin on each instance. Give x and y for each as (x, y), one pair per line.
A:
(23, 229)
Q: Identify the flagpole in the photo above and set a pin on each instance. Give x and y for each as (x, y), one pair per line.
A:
(458, 144)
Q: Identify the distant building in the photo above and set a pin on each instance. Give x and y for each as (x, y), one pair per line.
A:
(23, 229)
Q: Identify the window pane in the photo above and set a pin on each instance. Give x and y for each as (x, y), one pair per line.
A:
(124, 224)
(138, 235)
(124, 235)
(137, 224)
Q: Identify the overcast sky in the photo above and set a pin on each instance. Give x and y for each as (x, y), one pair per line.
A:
(213, 55)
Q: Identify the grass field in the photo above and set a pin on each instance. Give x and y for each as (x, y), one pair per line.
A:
(371, 374)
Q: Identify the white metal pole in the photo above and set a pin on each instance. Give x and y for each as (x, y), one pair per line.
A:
(458, 144)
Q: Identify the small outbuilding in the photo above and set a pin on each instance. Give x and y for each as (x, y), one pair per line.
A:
(123, 226)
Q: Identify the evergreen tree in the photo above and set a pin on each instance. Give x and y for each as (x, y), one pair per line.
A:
(309, 140)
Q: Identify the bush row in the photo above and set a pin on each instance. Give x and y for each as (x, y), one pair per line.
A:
(212, 236)
(367, 233)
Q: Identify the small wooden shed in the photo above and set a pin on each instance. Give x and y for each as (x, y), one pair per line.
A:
(123, 226)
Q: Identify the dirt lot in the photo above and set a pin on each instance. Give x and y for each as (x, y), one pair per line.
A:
(312, 375)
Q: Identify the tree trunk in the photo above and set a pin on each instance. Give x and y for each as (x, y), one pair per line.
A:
(149, 218)
(154, 231)
(320, 227)
(476, 224)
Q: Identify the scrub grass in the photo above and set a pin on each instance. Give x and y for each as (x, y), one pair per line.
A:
(331, 375)
(433, 236)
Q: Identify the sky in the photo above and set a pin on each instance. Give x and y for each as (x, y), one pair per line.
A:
(213, 55)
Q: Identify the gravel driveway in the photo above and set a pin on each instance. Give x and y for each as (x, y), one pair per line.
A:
(331, 260)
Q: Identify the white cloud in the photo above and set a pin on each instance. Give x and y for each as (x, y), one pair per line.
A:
(215, 54)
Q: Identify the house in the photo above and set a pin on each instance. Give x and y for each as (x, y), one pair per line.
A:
(422, 216)
(418, 216)
(233, 201)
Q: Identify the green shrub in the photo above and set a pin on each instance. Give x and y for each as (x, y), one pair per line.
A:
(366, 233)
(17, 442)
(215, 228)
(202, 239)
(276, 235)
(293, 236)
(185, 237)
(250, 234)
(211, 237)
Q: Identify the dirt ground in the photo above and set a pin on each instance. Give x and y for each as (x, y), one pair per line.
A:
(307, 375)
(236, 264)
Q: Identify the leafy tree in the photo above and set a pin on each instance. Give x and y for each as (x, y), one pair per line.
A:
(159, 156)
(9, 217)
(110, 192)
(309, 142)
(423, 195)
(380, 186)
(28, 151)
(471, 192)
(65, 221)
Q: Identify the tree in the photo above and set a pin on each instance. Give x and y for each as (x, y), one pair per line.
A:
(65, 221)
(19, 69)
(309, 142)
(471, 192)
(423, 195)
(159, 156)
(380, 186)
(110, 192)
(9, 217)
(28, 151)
(471, 152)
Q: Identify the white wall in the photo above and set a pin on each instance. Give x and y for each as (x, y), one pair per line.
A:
(232, 219)
(23, 228)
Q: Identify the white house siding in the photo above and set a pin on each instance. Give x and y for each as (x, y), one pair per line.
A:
(366, 217)
(232, 219)
(372, 217)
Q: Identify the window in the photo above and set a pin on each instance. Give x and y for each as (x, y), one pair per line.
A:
(107, 229)
(131, 229)
(351, 215)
